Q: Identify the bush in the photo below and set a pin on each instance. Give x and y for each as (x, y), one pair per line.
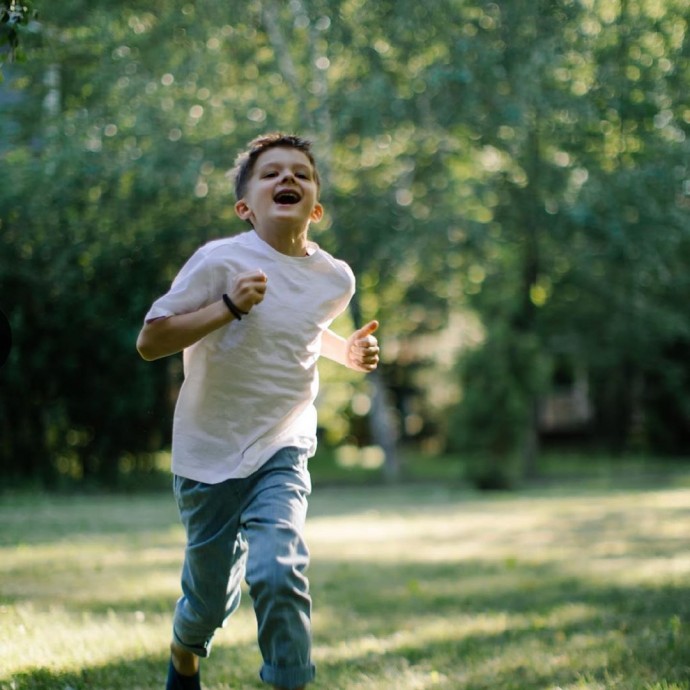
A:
(492, 425)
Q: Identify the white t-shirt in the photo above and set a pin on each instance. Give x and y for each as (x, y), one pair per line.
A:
(250, 386)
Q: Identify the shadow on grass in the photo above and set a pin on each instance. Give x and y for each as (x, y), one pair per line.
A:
(32, 520)
(227, 669)
(526, 627)
(528, 619)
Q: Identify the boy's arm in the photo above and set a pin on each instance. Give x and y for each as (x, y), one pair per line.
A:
(359, 352)
(167, 335)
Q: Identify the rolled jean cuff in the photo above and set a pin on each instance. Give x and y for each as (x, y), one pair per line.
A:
(288, 678)
(203, 650)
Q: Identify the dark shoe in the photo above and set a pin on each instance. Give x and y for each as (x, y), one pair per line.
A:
(176, 681)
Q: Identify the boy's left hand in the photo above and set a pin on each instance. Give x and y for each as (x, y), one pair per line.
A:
(362, 348)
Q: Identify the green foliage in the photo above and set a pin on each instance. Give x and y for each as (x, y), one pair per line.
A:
(585, 155)
(502, 380)
(70, 255)
(524, 161)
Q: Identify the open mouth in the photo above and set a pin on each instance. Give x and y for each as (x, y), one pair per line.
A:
(287, 197)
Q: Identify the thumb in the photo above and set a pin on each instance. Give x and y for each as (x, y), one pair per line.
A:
(364, 331)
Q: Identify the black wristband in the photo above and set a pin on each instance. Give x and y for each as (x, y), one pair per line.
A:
(234, 309)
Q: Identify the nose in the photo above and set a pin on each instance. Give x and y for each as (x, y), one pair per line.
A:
(287, 174)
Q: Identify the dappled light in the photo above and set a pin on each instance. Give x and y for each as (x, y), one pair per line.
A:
(419, 587)
(463, 630)
(519, 165)
(494, 508)
(600, 535)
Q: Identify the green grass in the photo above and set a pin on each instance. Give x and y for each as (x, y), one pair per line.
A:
(594, 469)
(415, 587)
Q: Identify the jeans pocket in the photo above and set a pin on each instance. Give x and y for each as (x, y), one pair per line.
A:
(188, 492)
(302, 469)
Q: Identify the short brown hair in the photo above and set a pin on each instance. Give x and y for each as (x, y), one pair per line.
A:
(245, 161)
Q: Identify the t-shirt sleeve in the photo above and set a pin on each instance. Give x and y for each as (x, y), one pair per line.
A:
(350, 282)
(195, 286)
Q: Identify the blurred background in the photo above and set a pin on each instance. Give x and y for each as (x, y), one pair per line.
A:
(508, 180)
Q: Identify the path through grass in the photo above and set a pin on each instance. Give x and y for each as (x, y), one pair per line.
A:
(414, 588)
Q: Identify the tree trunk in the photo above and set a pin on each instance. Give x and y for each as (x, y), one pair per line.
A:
(530, 448)
(382, 428)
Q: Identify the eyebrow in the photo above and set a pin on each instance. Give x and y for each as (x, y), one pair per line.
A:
(299, 164)
(296, 166)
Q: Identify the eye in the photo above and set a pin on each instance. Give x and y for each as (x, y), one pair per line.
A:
(270, 173)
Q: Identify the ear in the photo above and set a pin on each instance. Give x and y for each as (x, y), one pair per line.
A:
(316, 213)
(243, 210)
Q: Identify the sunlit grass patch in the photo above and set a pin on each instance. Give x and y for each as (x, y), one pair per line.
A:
(414, 587)
(527, 591)
(59, 640)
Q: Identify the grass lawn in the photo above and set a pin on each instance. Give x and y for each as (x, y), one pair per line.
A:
(418, 586)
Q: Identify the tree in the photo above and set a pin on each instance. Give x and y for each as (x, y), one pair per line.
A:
(15, 18)
(584, 122)
(483, 157)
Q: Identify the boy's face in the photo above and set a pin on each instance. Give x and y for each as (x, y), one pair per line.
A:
(281, 190)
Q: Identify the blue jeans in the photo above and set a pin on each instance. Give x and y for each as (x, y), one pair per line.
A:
(249, 528)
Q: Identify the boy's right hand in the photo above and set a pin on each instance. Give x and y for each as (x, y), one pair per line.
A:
(248, 289)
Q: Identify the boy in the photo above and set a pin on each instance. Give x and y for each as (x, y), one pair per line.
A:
(251, 313)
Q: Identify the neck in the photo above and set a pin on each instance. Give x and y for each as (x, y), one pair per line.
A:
(284, 241)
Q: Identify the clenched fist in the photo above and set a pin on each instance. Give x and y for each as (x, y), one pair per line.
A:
(248, 289)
